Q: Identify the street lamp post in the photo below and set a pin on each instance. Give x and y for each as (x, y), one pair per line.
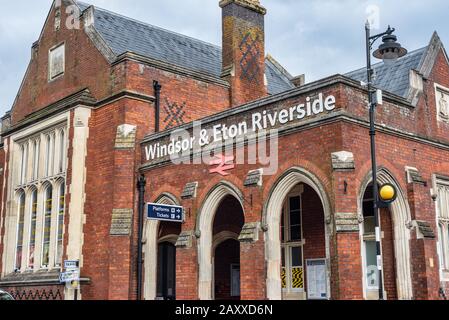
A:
(390, 50)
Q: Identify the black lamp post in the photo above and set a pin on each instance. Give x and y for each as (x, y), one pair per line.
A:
(389, 51)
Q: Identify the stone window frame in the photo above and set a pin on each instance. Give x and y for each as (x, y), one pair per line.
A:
(60, 74)
(438, 90)
(27, 137)
(442, 223)
(289, 291)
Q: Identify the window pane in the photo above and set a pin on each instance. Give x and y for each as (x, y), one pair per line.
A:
(32, 244)
(283, 226)
(296, 256)
(47, 226)
(295, 217)
(60, 231)
(20, 226)
(295, 233)
(371, 265)
(295, 203)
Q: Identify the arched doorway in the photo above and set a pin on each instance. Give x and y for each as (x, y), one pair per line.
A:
(395, 243)
(160, 255)
(220, 219)
(228, 223)
(166, 260)
(295, 216)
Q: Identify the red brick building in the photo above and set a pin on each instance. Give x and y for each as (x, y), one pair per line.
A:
(106, 99)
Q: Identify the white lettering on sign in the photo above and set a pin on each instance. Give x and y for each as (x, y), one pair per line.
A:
(260, 121)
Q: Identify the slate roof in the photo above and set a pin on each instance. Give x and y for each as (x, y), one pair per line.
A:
(396, 77)
(123, 34)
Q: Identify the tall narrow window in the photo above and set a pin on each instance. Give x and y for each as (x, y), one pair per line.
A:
(47, 226)
(20, 225)
(24, 163)
(61, 152)
(47, 155)
(53, 154)
(60, 229)
(32, 242)
(36, 160)
(292, 276)
(443, 222)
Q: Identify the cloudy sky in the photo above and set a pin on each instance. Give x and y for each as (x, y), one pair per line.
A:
(317, 38)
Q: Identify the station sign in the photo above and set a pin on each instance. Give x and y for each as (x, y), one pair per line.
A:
(162, 212)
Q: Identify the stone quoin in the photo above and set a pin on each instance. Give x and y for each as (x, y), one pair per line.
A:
(82, 133)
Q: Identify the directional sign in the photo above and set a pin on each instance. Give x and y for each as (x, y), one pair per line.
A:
(162, 212)
(69, 276)
(71, 264)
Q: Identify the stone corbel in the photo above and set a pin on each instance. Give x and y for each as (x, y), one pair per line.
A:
(347, 222)
(250, 232)
(343, 160)
(185, 239)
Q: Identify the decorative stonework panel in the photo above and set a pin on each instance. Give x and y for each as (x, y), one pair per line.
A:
(443, 105)
(126, 137)
(189, 191)
(254, 178)
(343, 160)
(121, 222)
(347, 222)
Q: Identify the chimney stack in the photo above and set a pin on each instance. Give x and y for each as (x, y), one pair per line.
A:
(244, 49)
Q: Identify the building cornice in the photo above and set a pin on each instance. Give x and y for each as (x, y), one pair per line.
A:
(80, 98)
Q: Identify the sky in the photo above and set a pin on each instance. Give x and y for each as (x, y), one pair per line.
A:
(317, 38)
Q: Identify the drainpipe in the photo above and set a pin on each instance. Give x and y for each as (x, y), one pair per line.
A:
(141, 183)
(157, 94)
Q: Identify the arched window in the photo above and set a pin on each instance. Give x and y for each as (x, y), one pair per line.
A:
(32, 242)
(20, 225)
(292, 275)
(60, 225)
(48, 204)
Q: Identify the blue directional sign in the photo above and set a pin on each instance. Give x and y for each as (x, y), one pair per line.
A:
(162, 212)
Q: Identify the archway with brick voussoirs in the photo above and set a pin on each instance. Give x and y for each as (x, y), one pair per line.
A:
(401, 217)
(272, 215)
(205, 231)
(150, 249)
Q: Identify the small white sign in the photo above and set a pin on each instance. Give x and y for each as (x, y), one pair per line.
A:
(69, 276)
(71, 264)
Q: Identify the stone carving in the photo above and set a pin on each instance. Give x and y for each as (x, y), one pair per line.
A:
(443, 107)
